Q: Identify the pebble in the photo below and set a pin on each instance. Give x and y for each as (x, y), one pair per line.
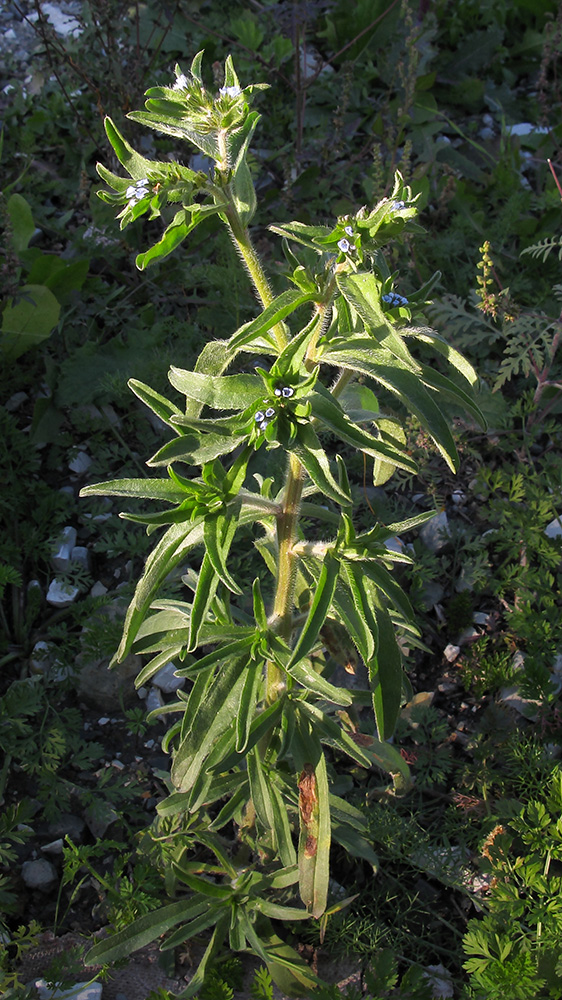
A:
(451, 652)
(166, 679)
(80, 991)
(467, 635)
(80, 463)
(67, 825)
(61, 594)
(18, 398)
(62, 549)
(38, 874)
(55, 847)
(99, 818)
(41, 656)
(554, 529)
(103, 721)
(98, 590)
(435, 533)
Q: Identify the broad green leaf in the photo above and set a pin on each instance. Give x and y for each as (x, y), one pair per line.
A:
(167, 117)
(22, 225)
(443, 386)
(28, 319)
(221, 392)
(282, 306)
(363, 291)
(243, 192)
(392, 433)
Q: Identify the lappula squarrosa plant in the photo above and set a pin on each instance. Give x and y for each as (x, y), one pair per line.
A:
(261, 729)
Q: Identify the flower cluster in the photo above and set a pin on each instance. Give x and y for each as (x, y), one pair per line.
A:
(393, 299)
(344, 245)
(263, 418)
(137, 191)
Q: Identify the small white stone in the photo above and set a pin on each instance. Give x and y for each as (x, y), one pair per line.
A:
(451, 652)
(118, 764)
(38, 874)
(60, 558)
(18, 398)
(55, 847)
(142, 693)
(61, 594)
(480, 618)
(80, 463)
(395, 544)
(166, 679)
(554, 529)
(103, 721)
(98, 590)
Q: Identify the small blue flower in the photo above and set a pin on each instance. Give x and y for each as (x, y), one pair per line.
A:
(270, 412)
(398, 205)
(393, 300)
(277, 391)
(287, 392)
(344, 245)
(137, 191)
(348, 230)
(259, 416)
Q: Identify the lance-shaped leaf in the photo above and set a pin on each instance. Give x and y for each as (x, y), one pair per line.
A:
(159, 405)
(307, 235)
(218, 534)
(454, 357)
(305, 675)
(145, 929)
(170, 550)
(260, 790)
(311, 455)
(147, 489)
(315, 829)
(285, 846)
(276, 311)
(170, 118)
(174, 234)
(214, 716)
(385, 673)
(404, 384)
(319, 608)
(392, 433)
(248, 702)
(361, 596)
(196, 449)
(204, 595)
(352, 618)
(363, 291)
(449, 390)
(135, 164)
(328, 411)
(221, 392)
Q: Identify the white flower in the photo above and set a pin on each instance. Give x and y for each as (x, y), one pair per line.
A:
(137, 191)
(348, 230)
(230, 91)
(182, 83)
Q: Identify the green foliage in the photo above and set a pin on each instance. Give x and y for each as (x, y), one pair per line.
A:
(259, 710)
(514, 947)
